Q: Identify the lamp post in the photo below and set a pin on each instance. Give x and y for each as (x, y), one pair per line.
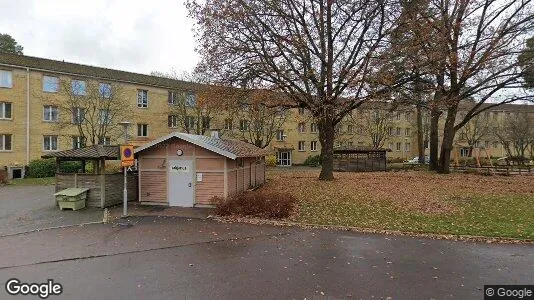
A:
(125, 125)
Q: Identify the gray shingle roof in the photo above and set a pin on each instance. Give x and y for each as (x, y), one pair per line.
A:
(227, 147)
(31, 62)
(91, 152)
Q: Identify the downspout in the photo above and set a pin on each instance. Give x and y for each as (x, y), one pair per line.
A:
(27, 115)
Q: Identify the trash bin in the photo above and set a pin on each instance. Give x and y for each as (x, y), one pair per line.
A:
(73, 198)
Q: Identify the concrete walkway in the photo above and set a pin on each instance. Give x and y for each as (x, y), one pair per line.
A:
(27, 208)
(178, 258)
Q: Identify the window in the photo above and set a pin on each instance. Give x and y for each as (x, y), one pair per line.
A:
(407, 116)
(189, 122)
(486, 144)
(78, 115)
(78, 142)
(5, 110)
(301, 110)
(206, 122)
(302, 127)
(173, 98)
(228, 124)
(313, 128)
(104, 117)
(280, 135)
(283, 158)
(5, 142)
(398, 131)
(350, 128)
(398, 116)
(50, 142)
(390, 132)
(398, 148)
(50, 84)
(142, 130)
(390, 146)
(407, 147)
(313, 146)
(464, 152)
(78, 87)
(50, 113)
(477, 144)
(106, 140)
(302, 146)
(105, 90)
(172, 121)
(6, 79)
(142, 98)
(243, 125)
(190, 99)
(407, 131)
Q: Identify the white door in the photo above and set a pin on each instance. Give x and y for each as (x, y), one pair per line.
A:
(283, 158)
(181, 183)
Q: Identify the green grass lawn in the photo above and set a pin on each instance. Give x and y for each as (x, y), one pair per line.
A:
(33, 181)
(485, 216)
(414, 201)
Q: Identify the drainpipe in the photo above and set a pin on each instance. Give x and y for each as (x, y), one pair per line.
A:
(27, 115)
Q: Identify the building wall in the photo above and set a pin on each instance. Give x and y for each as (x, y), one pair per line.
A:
(153, 172)
(155, 115)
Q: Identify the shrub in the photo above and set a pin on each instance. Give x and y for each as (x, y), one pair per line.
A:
(70, 167)
(270, 161)
(313, 161)
(39, 168)
(272, 205)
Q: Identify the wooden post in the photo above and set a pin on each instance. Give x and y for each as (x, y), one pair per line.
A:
(58, 165)
(83, 166)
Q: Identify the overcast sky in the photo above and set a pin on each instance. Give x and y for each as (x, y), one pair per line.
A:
(133, 35)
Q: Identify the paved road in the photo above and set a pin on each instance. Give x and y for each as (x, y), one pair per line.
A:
(172, 258)
(25, 208)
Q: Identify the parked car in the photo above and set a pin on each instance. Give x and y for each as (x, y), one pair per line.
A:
(415, 160)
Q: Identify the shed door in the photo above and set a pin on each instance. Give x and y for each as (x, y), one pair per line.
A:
(181, 183)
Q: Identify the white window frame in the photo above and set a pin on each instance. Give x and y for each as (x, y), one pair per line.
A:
(142, 130)
(283, 158)
(244, 125)
(104, 141)
(302, 127)
(313, 146)
(142, 98)
(48, 116)
(190, 99)
(407, 147)
(280, 135)
(301, 146)
(8, 76)
(228, 124)
(77, 142)
(407, 131)
(3, 110)
(173, 97)
(54, 85)
(104, 117)
(189, 122)
(173, 121)
(107, 93)
(398, 146)
(51, 139)
(78, 115)
(350, 128)
(313, 128)
(3, 142)
(78, 87)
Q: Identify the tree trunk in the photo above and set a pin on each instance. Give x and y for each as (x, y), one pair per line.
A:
(434, 139)
(326, 138)
(420, 140)
(447, 143)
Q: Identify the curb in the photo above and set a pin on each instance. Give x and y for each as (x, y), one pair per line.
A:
(433, 236)
(50, 228)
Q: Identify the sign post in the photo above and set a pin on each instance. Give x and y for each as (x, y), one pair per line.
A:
(127, 160)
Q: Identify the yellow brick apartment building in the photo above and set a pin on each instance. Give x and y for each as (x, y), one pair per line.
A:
(29, 114)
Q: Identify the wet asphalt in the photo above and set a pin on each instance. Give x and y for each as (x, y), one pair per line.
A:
(26, 208)
(177, 258)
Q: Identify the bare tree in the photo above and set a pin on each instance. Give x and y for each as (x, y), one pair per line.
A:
(516, 134)
(376, 123)
(93, 107)
(475, 130)
(319, 53)
(479, 43)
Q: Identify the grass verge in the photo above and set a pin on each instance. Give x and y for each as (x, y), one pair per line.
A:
(33, 181)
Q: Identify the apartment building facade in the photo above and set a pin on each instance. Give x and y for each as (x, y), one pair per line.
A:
(33, 124)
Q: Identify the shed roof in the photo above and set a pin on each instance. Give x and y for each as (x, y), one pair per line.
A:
(359, 149)
(91, 152)
(226, 147)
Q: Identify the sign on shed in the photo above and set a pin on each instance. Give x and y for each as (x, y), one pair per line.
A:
(127, 156)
